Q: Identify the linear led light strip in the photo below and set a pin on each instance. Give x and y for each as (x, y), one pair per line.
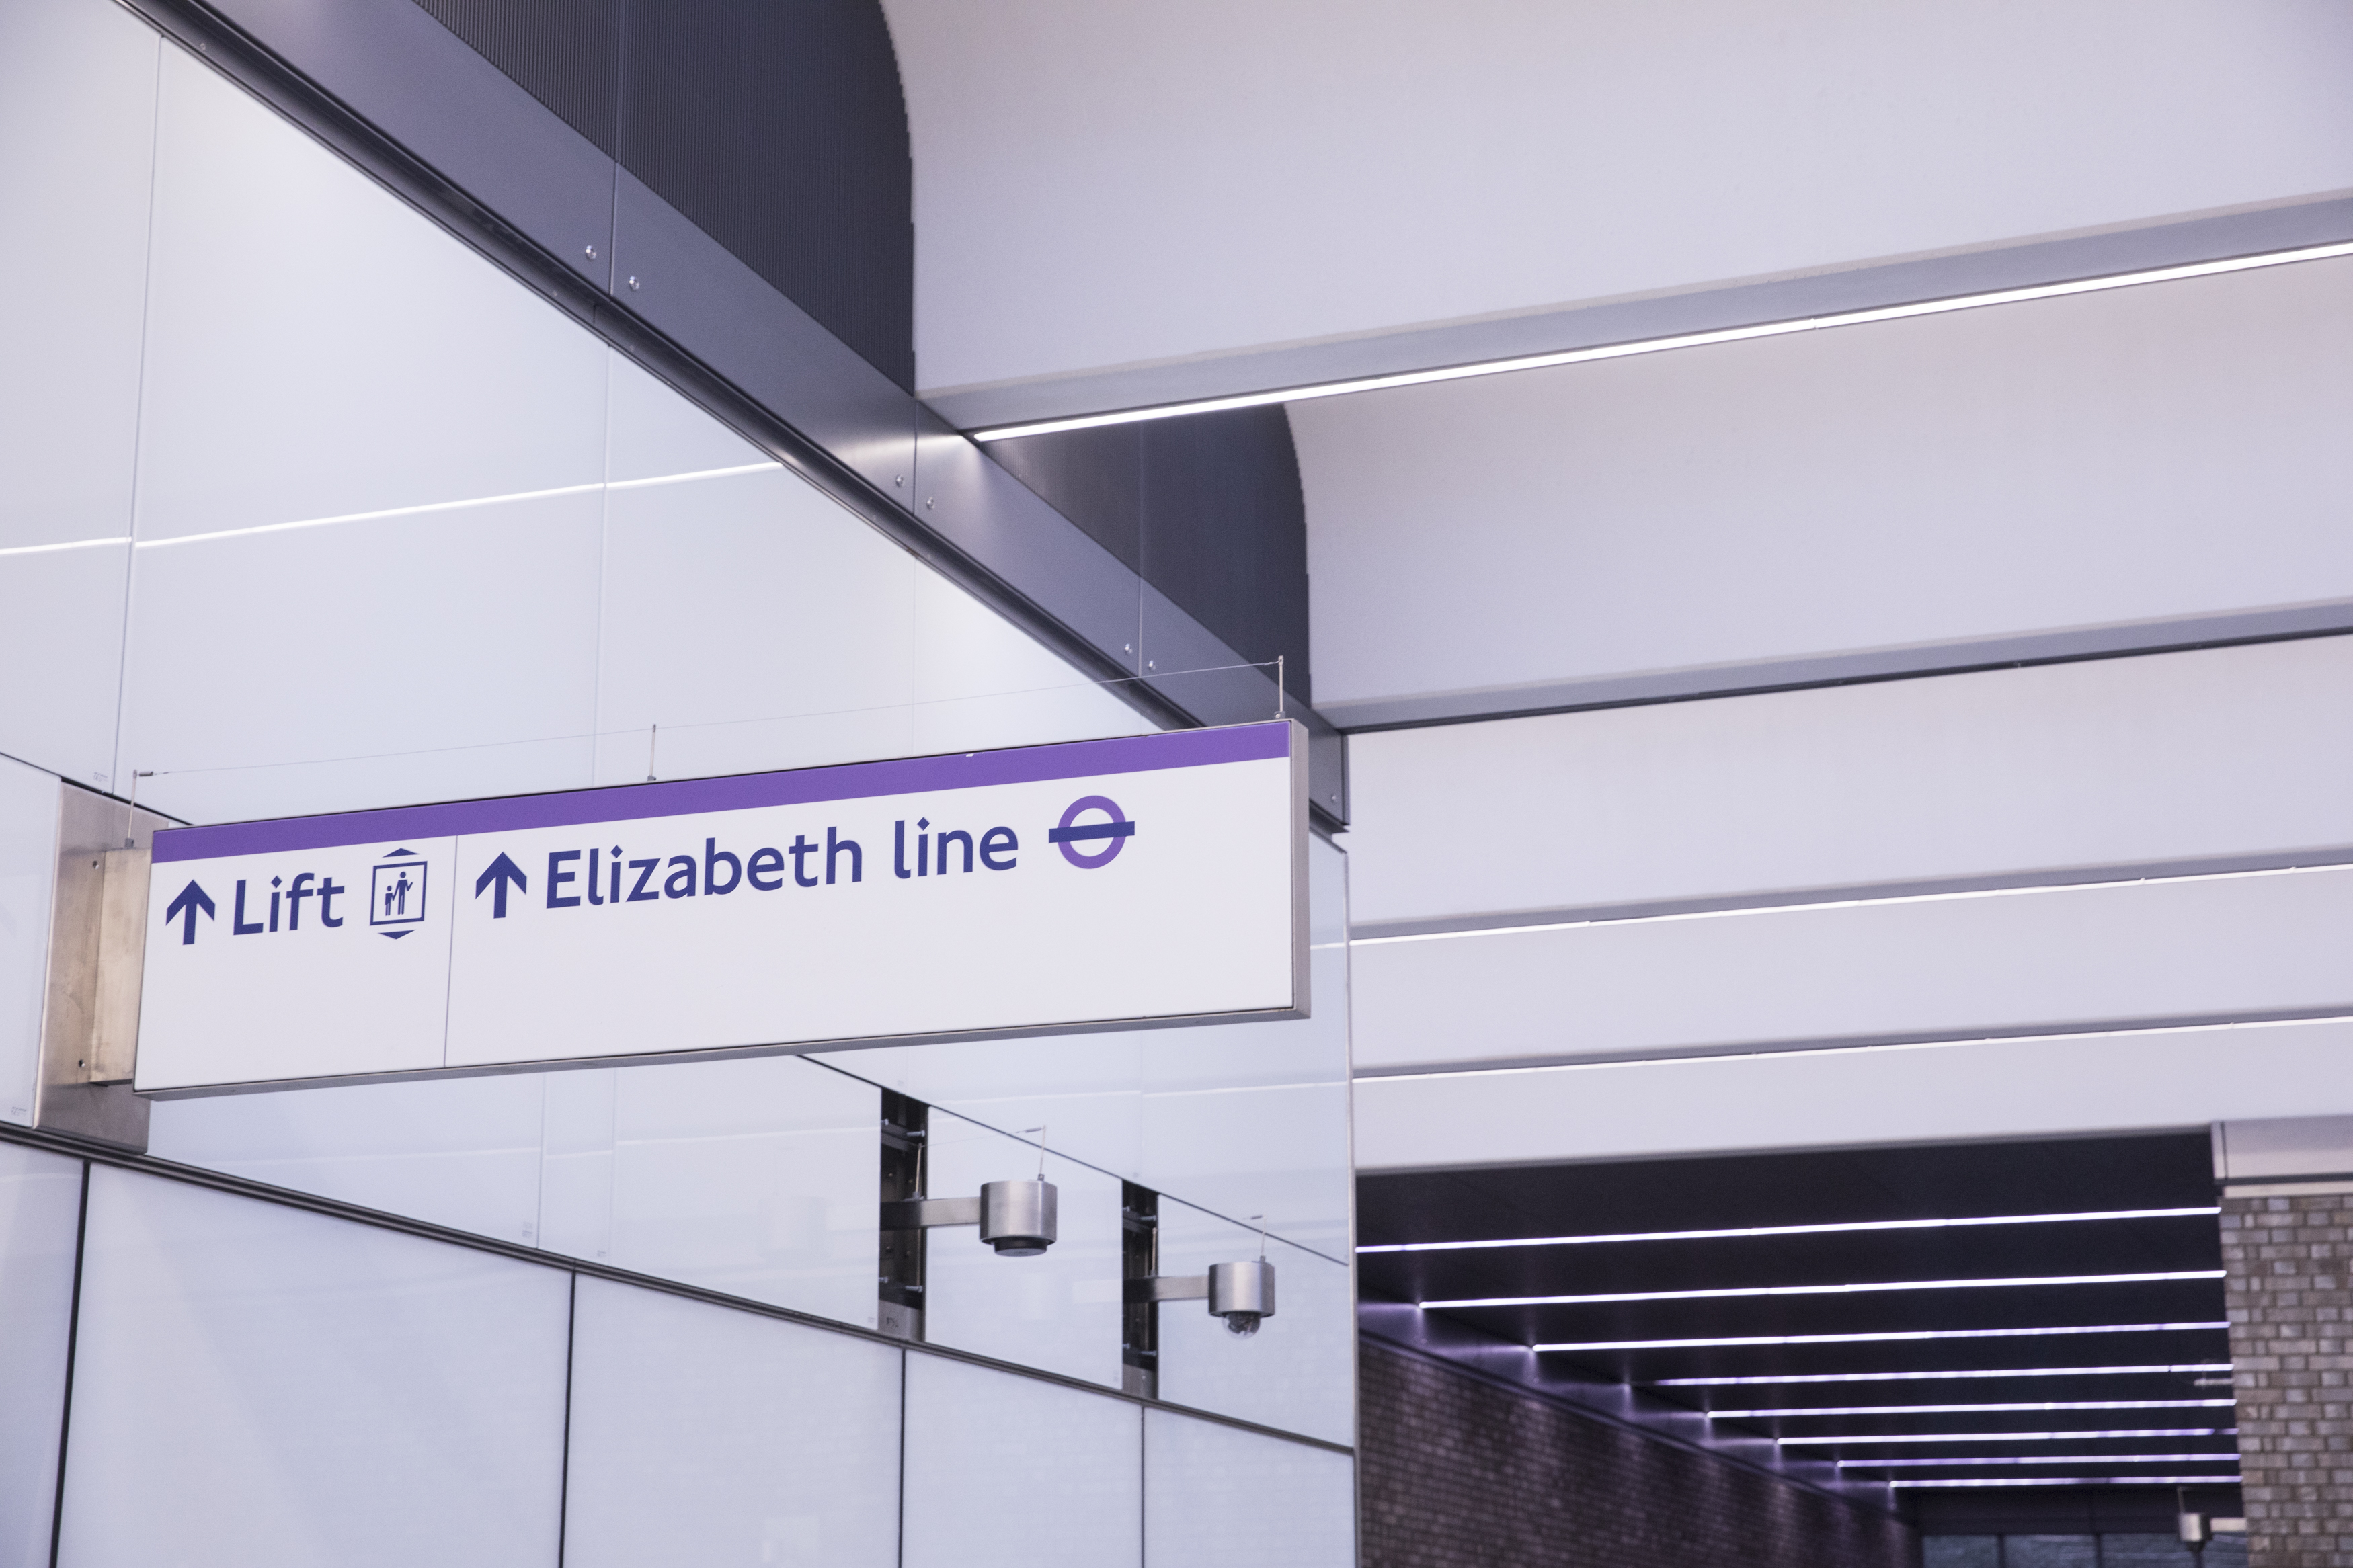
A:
(2069, 1482)
(1898, 1336)
(1942, 1376)
(1874, 1286)
(427, 506)
(1958, 1459)
(1830, 1229)
(1873, 1440)
(1965, 1409)
(1660, 345)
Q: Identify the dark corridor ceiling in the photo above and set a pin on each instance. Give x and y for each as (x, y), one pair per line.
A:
(2104, 1335)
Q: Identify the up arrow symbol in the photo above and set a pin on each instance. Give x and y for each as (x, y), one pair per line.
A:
(184, 909)
(501, 872)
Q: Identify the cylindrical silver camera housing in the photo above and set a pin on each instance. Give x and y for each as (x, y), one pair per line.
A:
(1242, 1293)
(1017, 1217)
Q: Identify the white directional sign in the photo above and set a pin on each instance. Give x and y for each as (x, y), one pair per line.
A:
(1125, 883)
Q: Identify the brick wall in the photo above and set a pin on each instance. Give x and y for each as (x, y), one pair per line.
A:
(1456, 1472)
(2288, 1260)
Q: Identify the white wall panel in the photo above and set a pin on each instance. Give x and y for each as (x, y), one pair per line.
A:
(716, 1438)
(29, 871)
(2043, 1086)
(2229, 947)
(40, 1214)
(1084, 1088)
(77, 149)
(464, 1152)
(62, 615)
(257, 1386)
(1004, 1472)
(2099, 460)
(576, 1156)
(1253, 1118)
(1215, 1494)
(1298, 1372)
(1059, 1310)
(981, 682)
(446, 654)
(1099, 185)
(2115, 761)
(759, 624)
(757, 1178)
(316, 348)
(651, 430)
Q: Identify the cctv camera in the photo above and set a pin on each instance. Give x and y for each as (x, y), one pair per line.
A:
(1242, 1294)
(1017, 1217)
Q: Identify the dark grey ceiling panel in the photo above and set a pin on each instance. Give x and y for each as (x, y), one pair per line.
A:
(693, 290)
(423, 88)
(564, 53)
(781, 131)
(1094, 477)
(1005, 527)
(1189, 664)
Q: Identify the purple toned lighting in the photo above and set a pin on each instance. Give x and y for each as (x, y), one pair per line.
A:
(1874, 1286)
(1894, 1337)
(1841, 1229)
(1940, 1376)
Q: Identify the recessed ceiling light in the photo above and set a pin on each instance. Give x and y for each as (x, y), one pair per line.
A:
(1856, 1290)
(1839, 1227)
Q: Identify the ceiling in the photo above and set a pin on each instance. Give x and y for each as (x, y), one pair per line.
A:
(1100, 187)
(1933, 1386)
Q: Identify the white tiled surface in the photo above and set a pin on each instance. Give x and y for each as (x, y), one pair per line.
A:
(1216, 1494)
(750, 598)
(315, 348)
(78, 127)
(258, 1387)
(1003, 1472)
(758, 1178)
(979, 684)
(651, 430)
(450, 654)
(1298, 1371)
(28, 868)
(1059, 1310)
(715, 1437)
(62, 640)
(463, 1153)
(576, 1161)
(40, 1208)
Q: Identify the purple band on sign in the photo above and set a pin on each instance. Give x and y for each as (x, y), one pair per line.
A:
(737, 791)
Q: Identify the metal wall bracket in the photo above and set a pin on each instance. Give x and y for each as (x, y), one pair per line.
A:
(923, 1214)
(98, 934)
(1167, 1287)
